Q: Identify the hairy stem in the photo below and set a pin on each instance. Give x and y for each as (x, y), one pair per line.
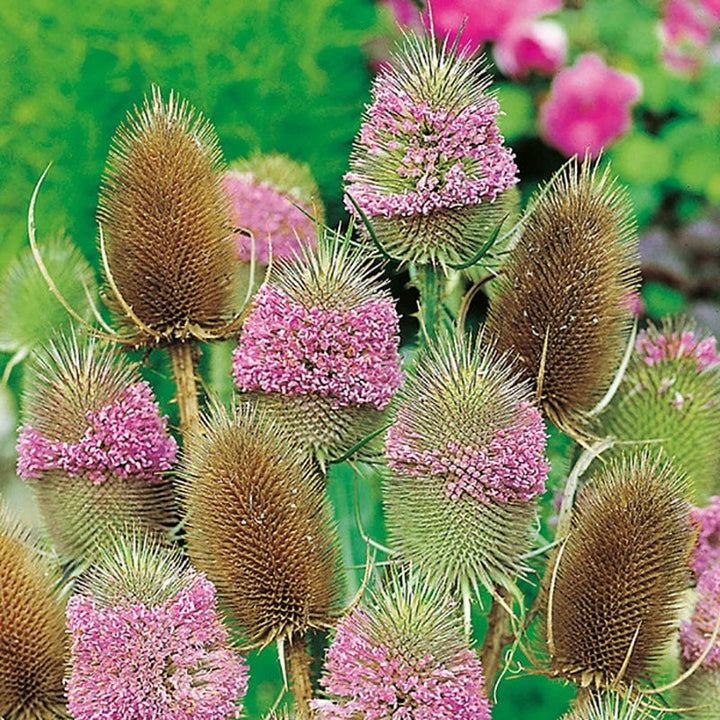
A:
(298, 660)
(497, 638)
(182, 356)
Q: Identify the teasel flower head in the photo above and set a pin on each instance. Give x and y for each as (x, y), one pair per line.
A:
(670, 396)
(619, 577)
(405, 655)
(273, 201)
(560, 306)
(259, 525)
(696, 633)
(33, 645)
(319, 347)
(164, 224)
(429, 165)
(147, 641)
(465, 461)
(94, 447)
(707, 549)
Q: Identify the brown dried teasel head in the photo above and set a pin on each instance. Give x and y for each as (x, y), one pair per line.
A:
(164, 228)
(33, 644)
(619, 576)
(560, 305)
(258, 524)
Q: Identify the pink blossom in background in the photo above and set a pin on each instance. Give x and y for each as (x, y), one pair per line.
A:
(406, 12)
(695, 633)
(540, 46)
(685, 30)
(712, 8)
(588, 107)
(707, 548)
(658, 348)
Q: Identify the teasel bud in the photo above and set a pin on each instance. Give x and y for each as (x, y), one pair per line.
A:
(33, 645)
(319, 348)
(404, 655)
(94, 448)
(560, 305)
(429, 168)
(466, 461)
(164, 223)
(148, 642)
(670, 397)
(259, 525)
(273, 200)
(619, 577)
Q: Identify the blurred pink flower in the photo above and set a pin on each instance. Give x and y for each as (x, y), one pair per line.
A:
(685, 32)
(540, 45)
(588, 107)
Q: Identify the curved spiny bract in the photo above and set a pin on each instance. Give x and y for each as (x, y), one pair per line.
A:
(670, 398)
(621, 575)
(610, 706)
(33, 644)
(164, 216)
(560, 305)
(260, 526)
(466, 461)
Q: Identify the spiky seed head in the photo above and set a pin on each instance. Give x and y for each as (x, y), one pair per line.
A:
(94, 447)
(260, 526)
(404, 654)
(164, 216)
(466, 459)
(264, 191)
(147, 640)
(560, 305)
(33, 646)
(319, 347)
(620, 578)
(429, 164)
(670, 397)
(611, 705)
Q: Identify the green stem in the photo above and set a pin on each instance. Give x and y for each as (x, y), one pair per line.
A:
(441, 294)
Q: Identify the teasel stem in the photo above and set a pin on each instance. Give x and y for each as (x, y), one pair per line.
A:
(182, 356)
(441, 295)
(497, 637)
(298, 660)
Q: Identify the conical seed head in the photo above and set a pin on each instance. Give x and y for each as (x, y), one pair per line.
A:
(429, 163)
(621, 575)
(260, 526)
(670, 397)
(560, 304)
(165, 221)
(466, 459)
(33, 647)
(94, 447)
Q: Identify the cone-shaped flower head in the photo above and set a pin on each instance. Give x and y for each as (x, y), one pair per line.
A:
(611, 706)
(33, 646)
(147, 641)
(707, 549)
(429, 164)
(560, 305)
(259, 525)
(670, 397)
(404, 656)
(94, 447)
(264, 191)
(466, 459)
(620, 575)
(164, 217)
(320, 347)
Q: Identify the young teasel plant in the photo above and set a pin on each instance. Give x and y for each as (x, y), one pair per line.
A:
(560, 305)
(466, 463)
(33, 642)
(93, 447)
(669, 398)
(319, 347)
(147, 639)
(403, 654)
(618, 579)
(260, 526)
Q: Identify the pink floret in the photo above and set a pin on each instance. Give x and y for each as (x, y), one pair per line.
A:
(127, 438)
(695, 634)
(349, 355)
(654, 348)
(707, 548)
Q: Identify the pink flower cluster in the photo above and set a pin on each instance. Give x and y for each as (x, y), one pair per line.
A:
(348, 355)
(511, 468)
(658, 348)
(686, 31)
(167, 662)
(377, 681)
(707, 549)
(267, 213)
(126, 438)
(696, 633)
(445, 158)
(588, 106)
